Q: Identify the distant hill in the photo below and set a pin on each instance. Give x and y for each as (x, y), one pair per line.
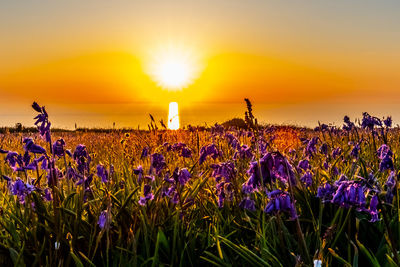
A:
(235, 122)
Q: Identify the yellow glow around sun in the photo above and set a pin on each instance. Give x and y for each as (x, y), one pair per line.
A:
(173, 116)
(173, 67)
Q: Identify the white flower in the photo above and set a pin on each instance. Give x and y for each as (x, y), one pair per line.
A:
(317, 263)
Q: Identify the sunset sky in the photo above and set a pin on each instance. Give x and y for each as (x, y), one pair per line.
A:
(299, 62)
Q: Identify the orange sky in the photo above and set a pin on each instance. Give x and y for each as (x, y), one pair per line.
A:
(297, 62)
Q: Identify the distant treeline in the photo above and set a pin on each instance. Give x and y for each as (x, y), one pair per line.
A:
(235, 123)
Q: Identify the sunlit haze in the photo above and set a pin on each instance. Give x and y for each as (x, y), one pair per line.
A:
(94, 63)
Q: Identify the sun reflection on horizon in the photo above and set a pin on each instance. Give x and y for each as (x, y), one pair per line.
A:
(173, 116)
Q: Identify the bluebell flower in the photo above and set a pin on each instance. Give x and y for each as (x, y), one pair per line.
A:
(355, 151)
(350, 194)
(224, 170)
(384, 151)
(102, 173)
(243, 152)
(280, 201)
(30, 146)
(369, 121)
(82, 158)
(42, 122)
(184, 176)
(102, 219)
(388, 122)
(232, 141)
(386, 164)
(247, 204)
(307, 179)
(139, 172)
(210, 150)
(310, 148)
(348, 126)
(58, 147)
(224, 191)
(304, 164)
(21, 190)
(47, 195)
(186, 152)
(373, 208)
(325, 192)
(390, 187)
(158, 162)
(147, 195)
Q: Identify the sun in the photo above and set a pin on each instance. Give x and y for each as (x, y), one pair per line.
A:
(173, 67)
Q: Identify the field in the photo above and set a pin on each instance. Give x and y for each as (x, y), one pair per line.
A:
(222, 196)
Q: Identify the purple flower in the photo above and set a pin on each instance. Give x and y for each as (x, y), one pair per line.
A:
(280, 201)
(139, 171)
(272, 166)
(247, 189)
(12, 159)
(386, 164)
(102, 219)
(18, 188)
(36, 107)
(373, 209)
(350, 194)
(71, 174)
(147, 195)
(58, 147)
(304, 164)
(184, 176)
(19, 162)
(388, 122)
(224, 170)
(85, 181)
(102, 173)
(390, 187)
(325, 192)
(348, 124)
(310, 148)
(47, 195)
(30, 146)
(385, 155)
(232, 141)
(209, 150)
(243, 152)
(186, 152)
(158, 162)
(384, 151)
(224, 191)
(369, 121)
(307, 179)
(283, 170)
(82, 158)
(21, 190)
(247, 204)
(355, 151)
(42, 122)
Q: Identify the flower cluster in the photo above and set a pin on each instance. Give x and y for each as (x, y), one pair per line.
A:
(210, 150)
(280, 201)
